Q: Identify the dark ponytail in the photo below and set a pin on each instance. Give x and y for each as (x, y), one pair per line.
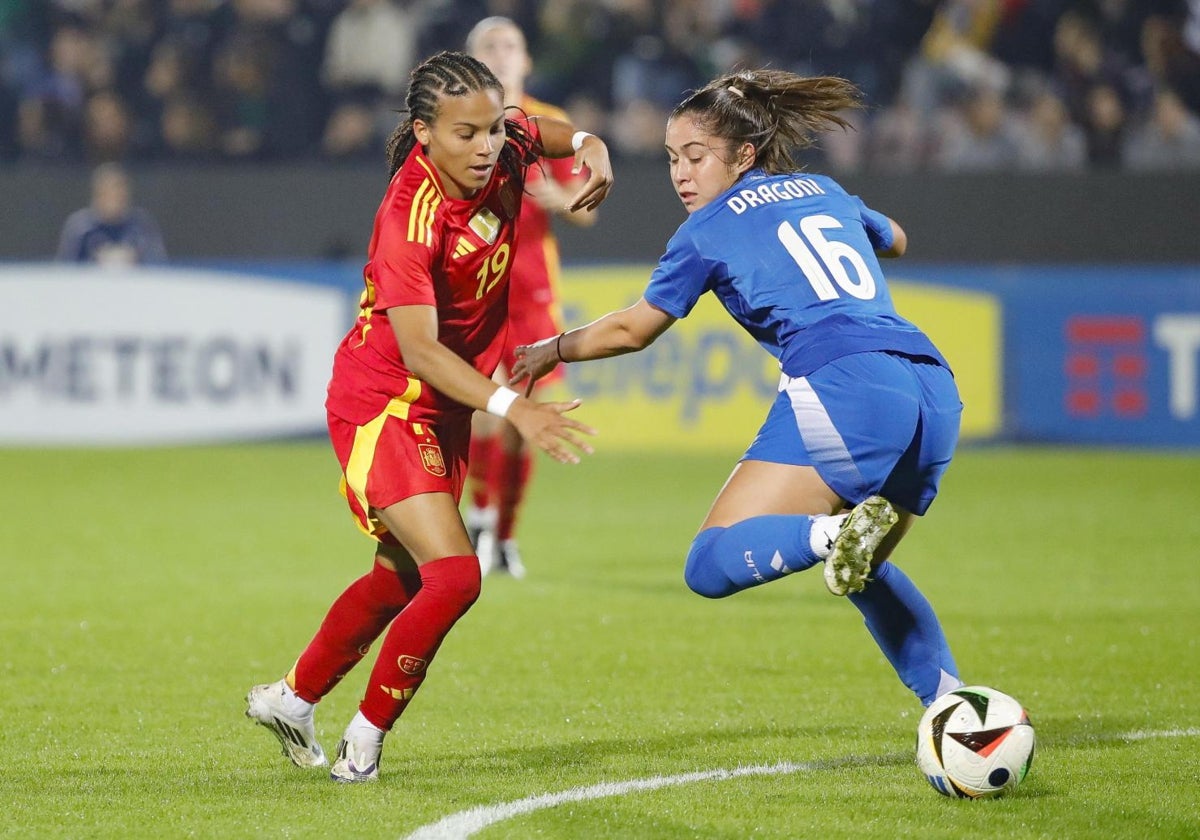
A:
(775, 111)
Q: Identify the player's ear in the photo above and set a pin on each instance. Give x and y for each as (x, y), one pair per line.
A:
(746, 156)
(421, 131)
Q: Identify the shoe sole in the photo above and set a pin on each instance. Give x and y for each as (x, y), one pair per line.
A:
(290, 739)
(849, 563)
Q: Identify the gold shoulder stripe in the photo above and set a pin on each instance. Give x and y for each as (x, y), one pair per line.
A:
(414, 211)
(433, 178)
(431, 205)
(420, 215)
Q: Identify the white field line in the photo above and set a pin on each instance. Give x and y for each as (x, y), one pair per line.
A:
(465, 823)
(1143, 735)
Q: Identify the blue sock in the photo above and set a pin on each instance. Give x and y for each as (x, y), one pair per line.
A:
(908, 632)
(723, 561)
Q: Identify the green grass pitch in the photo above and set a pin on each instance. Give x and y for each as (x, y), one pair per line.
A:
(144, 591)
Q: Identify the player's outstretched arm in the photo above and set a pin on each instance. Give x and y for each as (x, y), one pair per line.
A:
(624, 331)
(542, 424)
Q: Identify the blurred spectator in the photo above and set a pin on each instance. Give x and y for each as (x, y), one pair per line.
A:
(1171, 49)
(1170, 139)
(45, 130)
(638, 129)
(107, 131)
(953, 57)
(373, 43)
(195, 27)
(1024, 35)
(899, 139)
(846, 150)
(187, 130)
(1048, 139)
(266, 80)
(1104, 126)
(574, 57)
(129, 31)
(1120, 23)
(50, 114)
(980, 136)
(1084, 62)
(111, 231)
(240, 81)
(587, 114)
(894, 32)
(23, 27)
(354, 132)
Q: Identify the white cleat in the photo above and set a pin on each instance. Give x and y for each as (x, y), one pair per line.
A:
(849, 563)
(267, 705)
(479, 520)
(488, 551)
(357, 760)
(510, 559)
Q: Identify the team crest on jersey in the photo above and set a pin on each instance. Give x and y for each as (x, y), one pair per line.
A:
(431, 459)
(486, 225)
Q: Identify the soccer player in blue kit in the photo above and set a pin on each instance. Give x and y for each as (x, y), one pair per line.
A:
(867, 415)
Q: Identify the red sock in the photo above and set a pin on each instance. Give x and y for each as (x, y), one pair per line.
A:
(354, 621)
(449, 586)
(510, 480)
(480, 457)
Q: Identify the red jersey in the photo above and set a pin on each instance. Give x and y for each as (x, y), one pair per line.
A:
(429, 249)
(535, 271)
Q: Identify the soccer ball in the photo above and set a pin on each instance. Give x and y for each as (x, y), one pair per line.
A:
(974, 742)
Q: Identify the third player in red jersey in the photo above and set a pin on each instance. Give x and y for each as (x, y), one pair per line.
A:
(501, 464)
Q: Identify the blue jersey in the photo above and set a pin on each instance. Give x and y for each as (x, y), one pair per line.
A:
(86, 238)
(792, 259)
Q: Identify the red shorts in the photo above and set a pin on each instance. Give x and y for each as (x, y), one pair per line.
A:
(525, 327)
(390, 459)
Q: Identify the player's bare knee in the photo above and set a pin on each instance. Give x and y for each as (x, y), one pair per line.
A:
(897, 532)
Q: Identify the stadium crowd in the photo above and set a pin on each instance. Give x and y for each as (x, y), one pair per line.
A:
(955, 85)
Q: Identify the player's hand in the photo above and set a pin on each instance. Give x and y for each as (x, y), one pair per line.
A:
(534, 361)
(547, 193)
(592, 155)
(545, 426)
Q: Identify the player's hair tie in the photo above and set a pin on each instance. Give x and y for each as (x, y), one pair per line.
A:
(737, 92)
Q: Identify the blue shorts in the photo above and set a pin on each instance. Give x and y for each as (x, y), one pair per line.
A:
(870, 423)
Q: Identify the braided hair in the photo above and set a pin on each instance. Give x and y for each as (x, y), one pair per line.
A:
(775, 111)
(448, 73)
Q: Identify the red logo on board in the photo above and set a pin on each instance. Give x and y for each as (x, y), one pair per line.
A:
(1105, 366)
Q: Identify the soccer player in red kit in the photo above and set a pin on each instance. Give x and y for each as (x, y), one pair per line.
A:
(406, 379)
(500, 465)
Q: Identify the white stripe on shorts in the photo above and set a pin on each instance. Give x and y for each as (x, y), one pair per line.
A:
(821, 438)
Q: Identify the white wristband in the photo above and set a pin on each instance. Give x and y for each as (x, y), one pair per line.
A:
(501, 401)
(578, 137)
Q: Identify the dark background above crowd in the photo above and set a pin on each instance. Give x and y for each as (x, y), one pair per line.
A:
(956, 85)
